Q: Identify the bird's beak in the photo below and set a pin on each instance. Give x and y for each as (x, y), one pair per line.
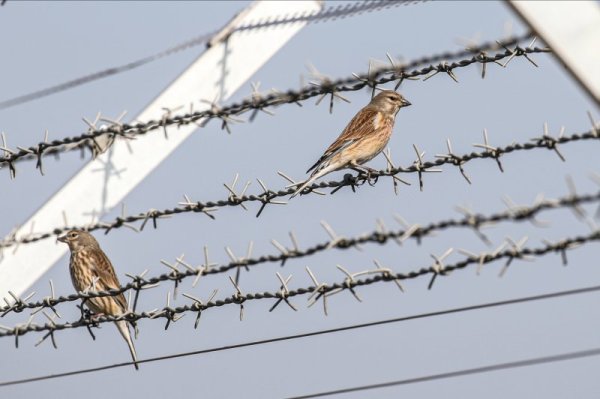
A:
(62, 238)
(405, 103)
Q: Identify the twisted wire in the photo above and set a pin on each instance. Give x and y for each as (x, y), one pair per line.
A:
(329, 13)
(322, 291)
(488, 305)
(268, 196)
(73, 83)
(417, 232)
(258, 102)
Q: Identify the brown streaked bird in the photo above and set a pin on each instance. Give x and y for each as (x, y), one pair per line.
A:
(365, 137)
(90, 267)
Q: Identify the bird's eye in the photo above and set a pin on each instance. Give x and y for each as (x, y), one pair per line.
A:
(73, 235)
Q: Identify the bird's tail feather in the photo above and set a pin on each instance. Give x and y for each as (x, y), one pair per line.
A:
(314, 176)
(123, 327)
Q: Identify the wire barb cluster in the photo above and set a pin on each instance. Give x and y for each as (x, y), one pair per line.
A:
(381, 235)
(318, 291)
(353, 327)
(99, 139)
(323, 88)
(269, 197)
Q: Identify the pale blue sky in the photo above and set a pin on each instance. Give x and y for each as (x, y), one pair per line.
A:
(47, 43)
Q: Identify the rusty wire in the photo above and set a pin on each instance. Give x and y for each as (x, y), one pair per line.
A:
(318, 291)
(270, 197)
(323, 88)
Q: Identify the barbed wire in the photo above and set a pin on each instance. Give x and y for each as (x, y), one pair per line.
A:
(257, 102)
(330, 13)
(105, 73)
(514, 250)
(420, 167)
(461, 373)
(381, 235)
(487, 305)
(323, 291)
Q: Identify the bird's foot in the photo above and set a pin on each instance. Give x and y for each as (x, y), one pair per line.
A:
(96, 316)
(367, 175)
(90, 318)
(372, 180)
(93, 318)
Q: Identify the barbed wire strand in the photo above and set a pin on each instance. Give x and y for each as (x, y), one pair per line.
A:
(495, 367)
(105, 73)
(257, 102)
(380, 236)
(319, 291)
(487, 305)
(268, 196)
(330, 13)
(461, 373)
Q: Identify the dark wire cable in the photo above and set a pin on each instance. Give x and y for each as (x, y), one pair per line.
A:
(105, 73)
(460, 373)
(487, 305)
(327, 14)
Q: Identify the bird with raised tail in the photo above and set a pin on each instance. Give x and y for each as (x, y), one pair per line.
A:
(91, 269)
(363, 139)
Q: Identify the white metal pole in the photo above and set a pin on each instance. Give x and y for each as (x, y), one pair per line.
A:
(240, 55)
(572, 30)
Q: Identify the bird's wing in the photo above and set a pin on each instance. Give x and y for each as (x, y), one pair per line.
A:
(362, 124)
(107, 279)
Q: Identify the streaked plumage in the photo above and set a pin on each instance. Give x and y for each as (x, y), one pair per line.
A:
(365, 137)
(91, 269)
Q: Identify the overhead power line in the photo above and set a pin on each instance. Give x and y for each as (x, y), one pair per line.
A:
(461, 373)
(487, 305)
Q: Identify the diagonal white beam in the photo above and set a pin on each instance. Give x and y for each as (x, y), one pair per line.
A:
(572, 30)
(219, 71)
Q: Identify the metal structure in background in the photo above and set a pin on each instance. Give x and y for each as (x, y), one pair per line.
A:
(332, 12)
(572, 30)
(104, 182)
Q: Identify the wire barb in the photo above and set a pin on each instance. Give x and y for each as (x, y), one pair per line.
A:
(470, 220)
(226, 114)
(316, 292)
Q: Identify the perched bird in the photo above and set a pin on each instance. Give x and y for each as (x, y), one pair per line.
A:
(365, 137)
(90, 267)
